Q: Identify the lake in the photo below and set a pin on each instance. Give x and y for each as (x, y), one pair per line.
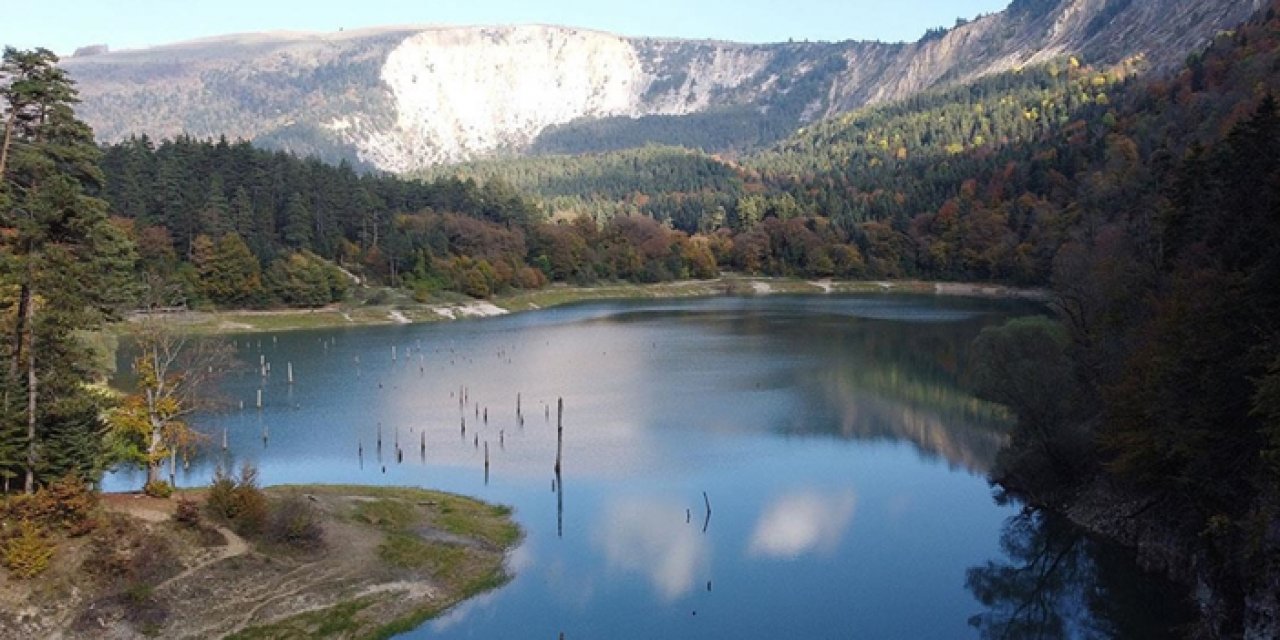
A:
(842, 462)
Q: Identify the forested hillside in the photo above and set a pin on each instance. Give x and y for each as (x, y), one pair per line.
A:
(983, 182)
(1147, 204)
(406, 98)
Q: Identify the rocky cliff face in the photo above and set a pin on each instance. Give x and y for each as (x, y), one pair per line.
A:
(404, 98)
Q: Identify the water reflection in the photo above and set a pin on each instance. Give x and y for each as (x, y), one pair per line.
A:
(801, 523)
(843, 459)
(651, 538)
(1056, 583)
(867, 374)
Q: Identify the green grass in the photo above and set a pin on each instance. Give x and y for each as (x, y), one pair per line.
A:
(386, 514)
(465, 570)
(340, 619)
(473, 520)
(487, 582)
(410, 551)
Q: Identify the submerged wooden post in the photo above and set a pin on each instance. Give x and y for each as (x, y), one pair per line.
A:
(393, 353)
(289, 366)
(173, 467)
(259, 398)
(559, 505)
(559, 433)
(224, 438)
(486, 462)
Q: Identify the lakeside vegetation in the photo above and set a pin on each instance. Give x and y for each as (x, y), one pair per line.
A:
(285, 562)
(1148, 206)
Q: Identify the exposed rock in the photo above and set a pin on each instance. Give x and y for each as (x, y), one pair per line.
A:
(404, 98)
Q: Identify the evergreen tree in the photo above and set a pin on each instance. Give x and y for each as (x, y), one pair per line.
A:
(297, 223)
(229, 273)
(63, 258)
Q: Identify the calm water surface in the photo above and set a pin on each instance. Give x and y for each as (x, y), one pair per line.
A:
(844, 465)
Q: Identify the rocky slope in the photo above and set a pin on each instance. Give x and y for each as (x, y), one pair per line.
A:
(403, 98)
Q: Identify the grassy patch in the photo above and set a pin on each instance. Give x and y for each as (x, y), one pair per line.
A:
(473, 520)
(488, 582)
(405, 517)
(386, 513)
(338, 620)
(409, 551)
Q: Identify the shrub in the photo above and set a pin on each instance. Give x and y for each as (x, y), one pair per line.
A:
(68, 504)
(220, 500)
(28, 554)
(187, 513)
(238, 500)
(295, 522)
(158, 489)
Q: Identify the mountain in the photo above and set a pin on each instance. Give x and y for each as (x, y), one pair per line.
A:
(404, 98)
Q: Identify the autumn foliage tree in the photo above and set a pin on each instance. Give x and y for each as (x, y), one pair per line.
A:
(175, 375)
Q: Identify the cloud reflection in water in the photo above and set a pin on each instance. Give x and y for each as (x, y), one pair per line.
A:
(803, 522)
(651, 538)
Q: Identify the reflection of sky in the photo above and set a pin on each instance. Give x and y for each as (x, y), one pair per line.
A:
(801, 523)
(648, 538)
(791, 413)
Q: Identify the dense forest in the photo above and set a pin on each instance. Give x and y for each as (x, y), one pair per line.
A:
(1149, 206)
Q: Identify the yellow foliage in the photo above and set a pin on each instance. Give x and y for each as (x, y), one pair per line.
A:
(28, 555)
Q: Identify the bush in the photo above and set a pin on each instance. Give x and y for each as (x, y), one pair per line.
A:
(28, 554)
(220, 500)
(187, 513)
(158, 489)
(296, 523)
(238, 501)
(68, 504)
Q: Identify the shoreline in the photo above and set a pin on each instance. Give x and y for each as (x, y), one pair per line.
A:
(231, 322)
(388, 560)
(1152, 531)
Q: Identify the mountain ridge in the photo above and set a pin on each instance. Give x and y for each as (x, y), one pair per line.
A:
(401, 98)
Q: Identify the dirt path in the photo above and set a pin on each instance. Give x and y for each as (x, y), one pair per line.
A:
(236, 546)
(209, 582)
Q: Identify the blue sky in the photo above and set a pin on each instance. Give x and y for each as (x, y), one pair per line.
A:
(63, 25)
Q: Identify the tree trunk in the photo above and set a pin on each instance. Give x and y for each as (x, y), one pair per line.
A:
(19, 335)
(30, 485)
(154, 462)
(8, 140)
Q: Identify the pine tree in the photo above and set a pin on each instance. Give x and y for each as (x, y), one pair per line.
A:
(216, 213)
(61, 255)
(297, 223)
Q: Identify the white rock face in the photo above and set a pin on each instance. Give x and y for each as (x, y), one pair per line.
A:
(458, 93)
(407, 97)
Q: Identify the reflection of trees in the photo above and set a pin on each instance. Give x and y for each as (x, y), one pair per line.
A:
(1058, 584)
(880, 369)
(898, 381)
